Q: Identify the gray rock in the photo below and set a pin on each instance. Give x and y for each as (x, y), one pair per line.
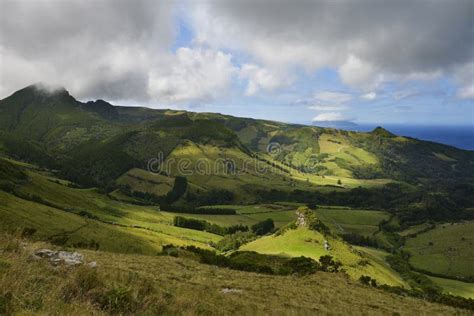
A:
(60, 257)
(92, 264)
(230, 290)
(71, 258)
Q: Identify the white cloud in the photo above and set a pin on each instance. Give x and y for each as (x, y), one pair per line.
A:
(192, 75)
(261, 79)
(361, 74)
(369, 96)
(405, 93)
(333, 97)
(327, 107)
(465, 78)
(330, 116)
(328, 101)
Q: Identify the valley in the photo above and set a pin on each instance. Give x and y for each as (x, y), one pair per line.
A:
(226, 202)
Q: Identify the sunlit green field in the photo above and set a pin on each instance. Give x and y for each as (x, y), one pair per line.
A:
(448, 249)
(362, 222)
(304, 242)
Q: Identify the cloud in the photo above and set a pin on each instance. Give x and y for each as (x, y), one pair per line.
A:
(326, 107)
(369, 42)
(94, 48)
(124, 50)
(369, 96)
(333, 97)
(330, 116)
(112, 49)
(359, 73)
(192, 75)
(327, 100)
(465, 77)
(261, 79)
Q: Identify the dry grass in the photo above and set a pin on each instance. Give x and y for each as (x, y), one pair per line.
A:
(135, 284)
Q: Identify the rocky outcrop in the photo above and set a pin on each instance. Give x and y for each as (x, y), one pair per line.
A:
(300, 218)
(62, 257)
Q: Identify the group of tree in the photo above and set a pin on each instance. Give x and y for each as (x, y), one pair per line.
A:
(202, 225)
(260, 263)
(409, 203)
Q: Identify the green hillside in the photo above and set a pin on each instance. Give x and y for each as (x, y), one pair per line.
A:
(121, 183)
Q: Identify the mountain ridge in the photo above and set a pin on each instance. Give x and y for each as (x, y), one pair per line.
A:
(61, 128)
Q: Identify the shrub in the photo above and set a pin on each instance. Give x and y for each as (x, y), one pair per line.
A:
(234, 241)
(328, 264)
(117, 300)
(28, 232)
(367, 280)
(302, 266)
(84, 280)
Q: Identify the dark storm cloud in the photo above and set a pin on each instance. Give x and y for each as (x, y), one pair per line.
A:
(417, 38)
(401, 35)
(96, 48)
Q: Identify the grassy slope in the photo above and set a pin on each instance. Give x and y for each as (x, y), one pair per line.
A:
(304, 242)
(17, 213)
(167, 285)
(452, 252)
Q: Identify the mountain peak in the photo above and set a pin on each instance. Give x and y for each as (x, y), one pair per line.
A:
(41, 89)
(103, 108)
(382, 132)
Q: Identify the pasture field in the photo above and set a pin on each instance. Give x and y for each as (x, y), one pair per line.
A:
(363, 222)
(70, 229)
(415, 229)
(280, 218)
(447, 249)
(144, 181)
(454, 287)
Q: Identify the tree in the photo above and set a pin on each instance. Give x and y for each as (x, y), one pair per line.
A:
(339, 182)
(179, 188)
(263, 227)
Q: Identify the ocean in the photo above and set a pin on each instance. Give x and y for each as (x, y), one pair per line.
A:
(458, 136)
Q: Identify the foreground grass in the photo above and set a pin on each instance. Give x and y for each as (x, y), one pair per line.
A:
(138, 284)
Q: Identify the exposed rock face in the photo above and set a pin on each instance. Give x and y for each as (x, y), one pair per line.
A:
(60, 257)
(300, 219)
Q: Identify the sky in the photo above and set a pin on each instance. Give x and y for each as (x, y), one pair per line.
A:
(367, 61)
